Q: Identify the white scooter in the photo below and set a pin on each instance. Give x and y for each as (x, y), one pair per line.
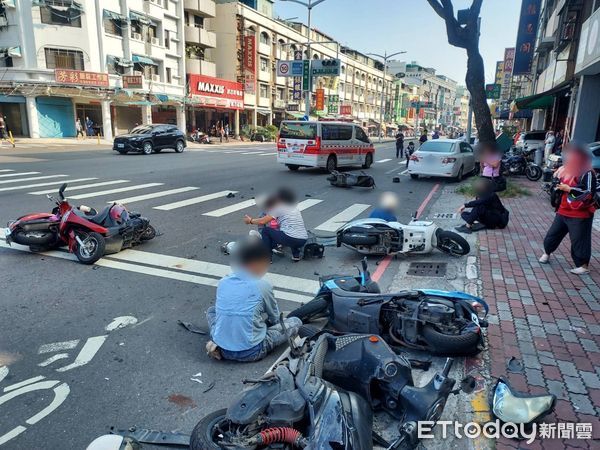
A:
(379, 237)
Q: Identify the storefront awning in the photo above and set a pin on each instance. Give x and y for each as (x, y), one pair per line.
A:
(115, 16)
(135, 17)
(67, 5)
(14, 52)
(263, 112)
(120, 61)
(143, 60)
(544, 100)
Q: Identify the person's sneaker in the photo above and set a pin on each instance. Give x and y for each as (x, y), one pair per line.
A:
(580, 271)
(213, 350)
(295, 258)
(278, 251)
(463, 229)
(544, 259)
(254, 234)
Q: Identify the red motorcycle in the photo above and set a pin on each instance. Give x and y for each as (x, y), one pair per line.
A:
(89, 234)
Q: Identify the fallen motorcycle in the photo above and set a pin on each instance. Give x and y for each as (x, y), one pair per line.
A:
(89, 234)
(322, 396)
(349, 179)
(379, 237)
(439, 322)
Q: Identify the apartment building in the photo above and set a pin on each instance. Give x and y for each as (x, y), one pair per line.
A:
(117, 62)
(251, 40)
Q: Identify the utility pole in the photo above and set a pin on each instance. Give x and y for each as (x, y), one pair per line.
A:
(385, 57)
(308, 5)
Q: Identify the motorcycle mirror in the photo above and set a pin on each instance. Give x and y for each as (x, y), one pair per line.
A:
(364, 264)
(468, 384)
(62, 190)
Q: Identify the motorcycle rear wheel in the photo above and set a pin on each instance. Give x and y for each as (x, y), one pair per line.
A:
(315, 309)
(204, 433)
(533, 173)
(149, 233)
(452, 243)
(95, 251)
(450, 344)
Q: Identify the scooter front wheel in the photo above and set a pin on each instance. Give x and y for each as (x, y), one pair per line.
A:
(452, 243)
(208, 430)
(89, 247)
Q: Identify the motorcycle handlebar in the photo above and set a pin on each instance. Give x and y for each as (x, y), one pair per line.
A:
(447, 367)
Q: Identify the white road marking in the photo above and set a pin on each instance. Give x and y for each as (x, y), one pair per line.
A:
(339, 220)
(231, 208)
(251, 153)
(21, 174)
(139, 198)
(194, 201)
(6, 170)
(54, 358)
(15, 386)
(29, 186)
(303, 205)
(89, 350)
(12, 434)
(267, 154)
(60, 394)
(383, 160)
(45, 177)
(404, 172)
(3, 372)
(83, 186)
(58, 346)
(114, 191)
(121, 322)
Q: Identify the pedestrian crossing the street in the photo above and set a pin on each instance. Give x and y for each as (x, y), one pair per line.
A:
(155, 195)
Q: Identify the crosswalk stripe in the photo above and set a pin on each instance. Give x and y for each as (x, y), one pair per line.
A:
(6, 170)
(83, 186)
(231, 208)
(45, 177)
(339, 220)
(194, 201)
(115, 191)
(384, 160)
(303, 205)
(139, 198)
(251, 153)
(267, 154)
(404, 172)
(20, 174)
(50, 183)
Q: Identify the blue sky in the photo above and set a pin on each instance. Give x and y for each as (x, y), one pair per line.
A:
(411, 25)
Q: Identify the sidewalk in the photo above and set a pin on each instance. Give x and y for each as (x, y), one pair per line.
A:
(544, 316)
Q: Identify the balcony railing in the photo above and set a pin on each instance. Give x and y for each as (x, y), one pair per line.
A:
(204, 8)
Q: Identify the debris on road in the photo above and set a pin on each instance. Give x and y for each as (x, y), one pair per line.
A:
(192, 328)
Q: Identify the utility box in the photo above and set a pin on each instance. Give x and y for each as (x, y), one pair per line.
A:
(503, 142)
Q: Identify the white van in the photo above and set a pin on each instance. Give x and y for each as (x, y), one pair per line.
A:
(323, 144)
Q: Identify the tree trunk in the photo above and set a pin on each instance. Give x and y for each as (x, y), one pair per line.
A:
(475, 81)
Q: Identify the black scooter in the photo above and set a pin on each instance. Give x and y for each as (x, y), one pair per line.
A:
(322, 396)
(346, 180)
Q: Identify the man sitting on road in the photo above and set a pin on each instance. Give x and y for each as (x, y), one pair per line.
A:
(487, 210)
(244, 323)
(387, 208)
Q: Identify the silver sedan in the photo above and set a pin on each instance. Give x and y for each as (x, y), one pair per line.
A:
(450, 158)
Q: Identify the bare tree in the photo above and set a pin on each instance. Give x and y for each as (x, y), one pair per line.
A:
(466, 35)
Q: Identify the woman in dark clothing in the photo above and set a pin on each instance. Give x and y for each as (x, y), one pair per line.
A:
(575, 212)
(487, 211)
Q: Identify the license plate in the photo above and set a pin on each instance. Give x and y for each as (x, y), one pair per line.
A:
(121, 145)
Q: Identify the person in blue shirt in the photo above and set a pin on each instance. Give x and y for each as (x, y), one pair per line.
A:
(244, 323)
(387, 208)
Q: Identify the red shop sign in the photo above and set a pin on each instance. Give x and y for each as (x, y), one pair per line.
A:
(346, 110)
(216, 92)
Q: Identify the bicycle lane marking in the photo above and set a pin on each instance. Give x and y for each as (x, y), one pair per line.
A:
(385, 262)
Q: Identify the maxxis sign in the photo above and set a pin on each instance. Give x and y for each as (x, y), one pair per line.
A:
(216, 92)
(250, 64)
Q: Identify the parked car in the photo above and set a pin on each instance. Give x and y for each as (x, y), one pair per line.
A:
(147, 139)
(531, 140)
(452, 158)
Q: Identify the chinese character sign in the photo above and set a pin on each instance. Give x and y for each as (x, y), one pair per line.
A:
(81, 78)
(320, 101)
(499, 72)
(509, 59)
(528, 25)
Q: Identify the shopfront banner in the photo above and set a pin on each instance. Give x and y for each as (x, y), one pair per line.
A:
(216, 92)
(528, 26)
(250, 64)
(79, 77)
(133, 81)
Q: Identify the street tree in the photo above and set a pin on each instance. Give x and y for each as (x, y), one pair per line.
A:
(464, 33)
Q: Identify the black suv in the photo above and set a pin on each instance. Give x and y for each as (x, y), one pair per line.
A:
(150, 138)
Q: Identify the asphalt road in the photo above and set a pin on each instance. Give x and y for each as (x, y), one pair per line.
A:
(65, 394)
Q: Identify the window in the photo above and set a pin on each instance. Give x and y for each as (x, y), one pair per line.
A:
(361, 135)
(61, 12)
(264, 91)
(264, 38)
(437, 147)
(465, 148)
(112, 26)
(136, 30)
(64, 59)
(152, 33)
(280, 94)
(169, 75)
(264, 64)
(198, 21)
(336, 132)
(148, 70)
(298, 130)
(113, 67)
(167, 39)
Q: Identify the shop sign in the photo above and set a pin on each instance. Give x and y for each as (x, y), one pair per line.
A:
(293, 107)
(492, 91)
(346, 110)
(133, 81)
(528, 26)
(499, 72)
(81, 78)
(320, 100)
(589, 44)
(250, 64)
(306, 75)
(216, 92)
(509, 60)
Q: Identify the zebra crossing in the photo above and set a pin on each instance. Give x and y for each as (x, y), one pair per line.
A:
(156, 196)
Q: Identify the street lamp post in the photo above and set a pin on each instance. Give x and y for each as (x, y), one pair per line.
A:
(385, 57)
(310, 4)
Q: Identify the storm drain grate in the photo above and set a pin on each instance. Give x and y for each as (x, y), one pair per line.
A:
(444, 216)
(427, 269)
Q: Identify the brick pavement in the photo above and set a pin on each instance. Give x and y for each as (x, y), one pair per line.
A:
(544, 316)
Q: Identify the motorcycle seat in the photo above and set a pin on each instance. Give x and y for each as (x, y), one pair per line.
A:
(98, 218)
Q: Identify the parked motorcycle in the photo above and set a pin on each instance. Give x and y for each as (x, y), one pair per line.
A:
(200, 137)
(89, 234)
(379, 237)
(439, 322)
(346, 180)
(518, 162)
(322, 396)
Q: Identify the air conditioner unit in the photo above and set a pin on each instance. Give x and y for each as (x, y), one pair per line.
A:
(136, 36)
(155, 77)
(155, 41)
(137, 72)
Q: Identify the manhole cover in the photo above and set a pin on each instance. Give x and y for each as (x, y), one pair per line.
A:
(444, 216)
(427, 269)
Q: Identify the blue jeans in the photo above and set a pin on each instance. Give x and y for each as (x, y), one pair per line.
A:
(274, 338)
(272, 238)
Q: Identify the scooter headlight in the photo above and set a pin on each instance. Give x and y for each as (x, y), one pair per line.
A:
(510, 406)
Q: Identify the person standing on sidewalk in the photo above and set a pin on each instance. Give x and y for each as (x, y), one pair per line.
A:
(575, 213)
(423, 137)
(79, 128)
(3, 134)
(399, 145)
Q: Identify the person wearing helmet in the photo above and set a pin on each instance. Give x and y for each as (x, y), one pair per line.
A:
(386, 210)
